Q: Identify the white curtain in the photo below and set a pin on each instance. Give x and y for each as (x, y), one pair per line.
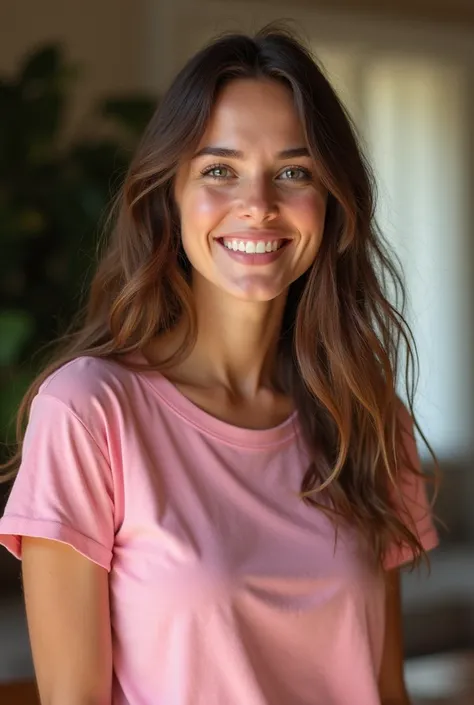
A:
(412, 116)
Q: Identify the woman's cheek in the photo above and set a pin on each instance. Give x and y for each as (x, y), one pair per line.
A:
(309, 209)
(207, 203)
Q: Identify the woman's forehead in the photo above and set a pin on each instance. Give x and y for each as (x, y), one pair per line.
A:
(251, 113)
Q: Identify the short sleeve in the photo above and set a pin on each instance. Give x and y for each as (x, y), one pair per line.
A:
(64, 488)
(414, 508)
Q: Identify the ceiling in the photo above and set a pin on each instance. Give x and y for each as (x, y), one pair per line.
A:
(449, 11)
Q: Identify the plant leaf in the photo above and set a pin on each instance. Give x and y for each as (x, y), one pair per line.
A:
(16, 327)
(131, 112)
(42, 64)
(13, 388)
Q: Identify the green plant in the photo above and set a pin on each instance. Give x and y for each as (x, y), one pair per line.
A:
(53, 194)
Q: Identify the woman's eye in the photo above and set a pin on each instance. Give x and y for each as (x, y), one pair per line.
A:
(295, 174)
(217, 172)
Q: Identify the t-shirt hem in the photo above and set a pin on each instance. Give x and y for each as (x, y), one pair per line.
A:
(399, 556)
(13, 528)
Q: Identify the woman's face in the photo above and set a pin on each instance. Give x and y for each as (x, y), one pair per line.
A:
(251, 206)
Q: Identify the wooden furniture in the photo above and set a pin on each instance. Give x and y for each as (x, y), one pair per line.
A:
(23, 693)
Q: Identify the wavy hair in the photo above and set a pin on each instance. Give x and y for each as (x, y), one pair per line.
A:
(339, 351)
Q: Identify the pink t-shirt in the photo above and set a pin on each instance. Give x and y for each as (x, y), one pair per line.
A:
(225, 588)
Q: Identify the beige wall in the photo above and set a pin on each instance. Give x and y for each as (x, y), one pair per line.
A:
(103, 37)
(124, 45)
(188, 24)
(452, 11)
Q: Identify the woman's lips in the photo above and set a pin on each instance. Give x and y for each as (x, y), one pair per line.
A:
(254, 257)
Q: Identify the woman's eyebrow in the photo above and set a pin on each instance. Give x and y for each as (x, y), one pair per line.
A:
(226, 153)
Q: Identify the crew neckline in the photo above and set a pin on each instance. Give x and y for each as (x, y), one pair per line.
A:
(210, 425)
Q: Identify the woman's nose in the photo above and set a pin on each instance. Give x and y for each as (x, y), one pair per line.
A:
(258, 200)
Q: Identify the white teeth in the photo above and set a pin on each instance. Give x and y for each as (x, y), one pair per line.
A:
(251, 247)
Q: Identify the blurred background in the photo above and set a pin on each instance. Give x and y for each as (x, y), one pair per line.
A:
(78, 81)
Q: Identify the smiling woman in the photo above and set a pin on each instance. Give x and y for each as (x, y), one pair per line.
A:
(218, 480)
(261, 204)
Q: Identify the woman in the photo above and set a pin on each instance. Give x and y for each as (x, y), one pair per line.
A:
(218, 482)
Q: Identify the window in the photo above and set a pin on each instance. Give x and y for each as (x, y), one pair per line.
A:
(411, 114)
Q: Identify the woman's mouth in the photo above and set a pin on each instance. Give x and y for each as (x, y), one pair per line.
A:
(252, 247)
(254, 252)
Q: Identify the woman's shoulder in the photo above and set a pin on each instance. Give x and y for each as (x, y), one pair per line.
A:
(84, 382)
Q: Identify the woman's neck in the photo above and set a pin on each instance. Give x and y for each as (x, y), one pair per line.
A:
(236, 343)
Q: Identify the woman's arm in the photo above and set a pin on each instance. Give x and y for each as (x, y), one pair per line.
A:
(67, 606)
(391, 680)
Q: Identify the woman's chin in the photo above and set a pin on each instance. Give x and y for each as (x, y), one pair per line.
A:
(254, 288)
(255, 294)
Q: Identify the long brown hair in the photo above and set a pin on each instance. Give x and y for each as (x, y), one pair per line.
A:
(339, 350)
